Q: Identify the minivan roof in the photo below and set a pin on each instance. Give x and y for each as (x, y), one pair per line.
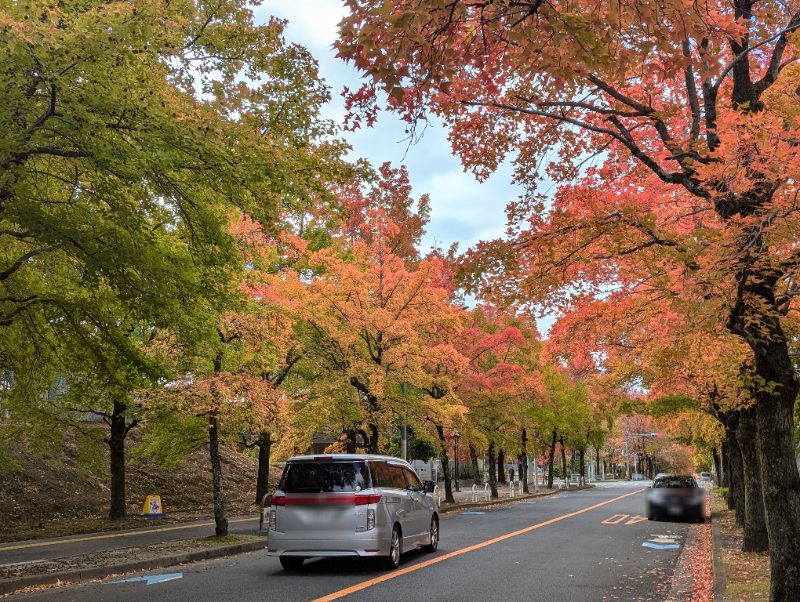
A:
(352, 457)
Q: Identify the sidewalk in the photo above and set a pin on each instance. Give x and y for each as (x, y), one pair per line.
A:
(738, 576)
(465, 496)
(95, 555)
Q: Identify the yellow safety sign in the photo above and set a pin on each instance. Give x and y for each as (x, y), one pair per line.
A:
(152, 506)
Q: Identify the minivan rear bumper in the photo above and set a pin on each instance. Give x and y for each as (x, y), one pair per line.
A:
(369, 543)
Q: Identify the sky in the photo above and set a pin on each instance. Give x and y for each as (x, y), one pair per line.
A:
(462, 209)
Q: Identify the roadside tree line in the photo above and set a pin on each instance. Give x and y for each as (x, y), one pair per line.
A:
(671, 132)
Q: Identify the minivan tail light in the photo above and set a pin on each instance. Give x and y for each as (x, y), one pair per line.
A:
(363, 500)
(279, 500)
(370, 519)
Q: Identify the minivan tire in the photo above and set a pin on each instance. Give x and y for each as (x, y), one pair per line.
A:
(392, 561)
(434, 535)
(291, 563)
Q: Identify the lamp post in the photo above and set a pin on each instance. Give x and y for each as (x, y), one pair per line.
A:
(456, 437)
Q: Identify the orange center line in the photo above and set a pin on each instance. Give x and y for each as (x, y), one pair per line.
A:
(421, 565)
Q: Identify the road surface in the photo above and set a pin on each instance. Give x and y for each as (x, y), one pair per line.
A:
(575, 547)
(59, 547)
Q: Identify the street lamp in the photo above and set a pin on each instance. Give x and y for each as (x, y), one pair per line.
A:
(457, 436)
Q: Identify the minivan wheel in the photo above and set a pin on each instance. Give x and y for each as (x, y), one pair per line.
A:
(392, 561)
(434, 536)
(291, 563)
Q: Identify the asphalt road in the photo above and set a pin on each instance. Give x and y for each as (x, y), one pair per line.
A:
(59, 547)
(575, 547)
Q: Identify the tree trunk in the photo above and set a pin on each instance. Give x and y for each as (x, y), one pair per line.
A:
(476, 472)
(116, 448)
(492, 471)
(726, 468)
(780, 485)
(582, 464)
(736, 491)
(221, 523)
(756, 318)
(448, 484)
(717, 464)
(563, 461)
(350, 442)
(372, 444)
(550, 462)
(264, 444)
(501, 468)
(523, 462)
(755, 526)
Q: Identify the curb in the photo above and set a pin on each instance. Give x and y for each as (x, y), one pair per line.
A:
(9, 586)
(717, 566)
(506, 500)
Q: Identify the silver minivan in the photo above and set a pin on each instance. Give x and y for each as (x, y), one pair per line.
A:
(350, 505)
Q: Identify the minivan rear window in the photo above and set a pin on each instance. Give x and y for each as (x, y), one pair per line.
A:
(675, 482)
(324, 477)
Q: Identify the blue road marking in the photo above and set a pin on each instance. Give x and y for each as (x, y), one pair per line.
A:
(474, 512)
(151, 579)
(661, 546)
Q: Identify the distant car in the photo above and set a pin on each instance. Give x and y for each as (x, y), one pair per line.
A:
(676, 497)
(705, 479)
(661, 474)
(350, 505)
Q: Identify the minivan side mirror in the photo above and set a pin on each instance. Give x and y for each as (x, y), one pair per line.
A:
(428, 486)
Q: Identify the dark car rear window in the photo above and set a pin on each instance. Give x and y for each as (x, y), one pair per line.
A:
(677, 482)
(324, 477)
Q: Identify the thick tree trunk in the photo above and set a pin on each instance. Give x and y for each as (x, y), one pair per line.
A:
(501, 466)
(736, 491)
(221, 523)
(116, 448)
(755, 526)
(476, 472)
(780, 485)
(756, 319)
(264, 444)
(448, 483)
(492, 471)
(550, 462)
(523, 462)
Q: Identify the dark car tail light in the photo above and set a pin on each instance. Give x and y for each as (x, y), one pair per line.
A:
(279, 500)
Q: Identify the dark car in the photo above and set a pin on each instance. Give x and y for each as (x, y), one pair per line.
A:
(676, 497)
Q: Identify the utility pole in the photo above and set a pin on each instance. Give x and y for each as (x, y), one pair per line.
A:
(457, 436)
(404, 430)
(627, 450)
